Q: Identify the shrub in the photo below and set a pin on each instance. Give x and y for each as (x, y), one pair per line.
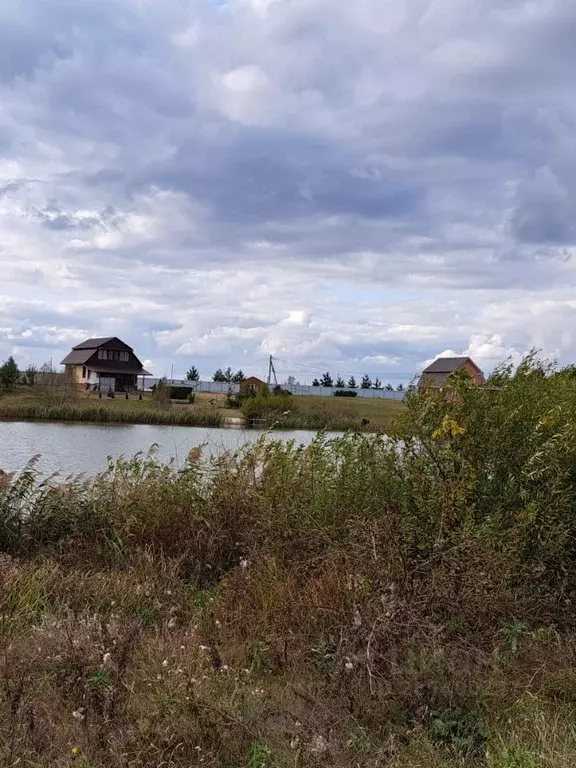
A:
(161, 394)
(267, 407)
(179, 393)
(345, 393)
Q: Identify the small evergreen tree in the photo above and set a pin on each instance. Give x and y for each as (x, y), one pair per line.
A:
(315, 383)
(352, 383)
(326, 380)
(193, 374)
(366, 382)
(9, 375)
(219, 375)
(377, 383)
(400, 387)
(238, 377)
(340, 383)
(389, 387)
(228, 375)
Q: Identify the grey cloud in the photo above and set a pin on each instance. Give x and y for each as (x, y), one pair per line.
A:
(425, 149)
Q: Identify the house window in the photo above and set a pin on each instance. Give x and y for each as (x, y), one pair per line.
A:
(102, 354)
(124, 357)
(83, 371)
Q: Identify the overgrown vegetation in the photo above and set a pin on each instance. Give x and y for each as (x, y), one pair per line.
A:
(199, 417)
(364, 601)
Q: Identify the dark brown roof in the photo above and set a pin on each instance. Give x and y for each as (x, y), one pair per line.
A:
(77, 356)
(449, 364)
(93, 343)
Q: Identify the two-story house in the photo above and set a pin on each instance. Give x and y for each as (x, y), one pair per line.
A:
(104, 364)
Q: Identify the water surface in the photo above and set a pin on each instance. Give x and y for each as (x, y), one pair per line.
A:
(71, 448)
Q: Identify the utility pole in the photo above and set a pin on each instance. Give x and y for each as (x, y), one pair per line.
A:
(271, 373)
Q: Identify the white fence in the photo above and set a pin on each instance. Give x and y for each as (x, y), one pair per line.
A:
(223, 387)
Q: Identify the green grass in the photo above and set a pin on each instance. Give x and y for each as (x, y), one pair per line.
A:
(323, 413)
(403, 602)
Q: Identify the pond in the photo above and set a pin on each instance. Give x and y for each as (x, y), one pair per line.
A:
(71, 448)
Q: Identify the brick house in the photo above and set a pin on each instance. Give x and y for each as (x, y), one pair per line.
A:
(436, 374)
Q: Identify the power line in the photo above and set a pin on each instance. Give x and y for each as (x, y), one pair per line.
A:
(313, 369)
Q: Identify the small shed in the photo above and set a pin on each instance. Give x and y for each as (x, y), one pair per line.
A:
(252, 385)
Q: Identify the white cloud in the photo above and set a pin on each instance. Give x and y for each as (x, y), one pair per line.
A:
(338, 184)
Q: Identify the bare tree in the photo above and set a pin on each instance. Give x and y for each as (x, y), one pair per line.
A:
(54, 387)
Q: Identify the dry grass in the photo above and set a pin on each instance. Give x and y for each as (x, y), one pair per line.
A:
(356, 603)
(26, 404)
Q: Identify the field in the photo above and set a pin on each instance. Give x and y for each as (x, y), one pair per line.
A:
(345, 413)
(357, 603)
(208, 410)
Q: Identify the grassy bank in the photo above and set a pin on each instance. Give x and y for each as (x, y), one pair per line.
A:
(313, 413)
(405, 602)
(324, 413)
(90, 408)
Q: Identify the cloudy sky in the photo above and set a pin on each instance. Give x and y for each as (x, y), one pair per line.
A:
(354, 185)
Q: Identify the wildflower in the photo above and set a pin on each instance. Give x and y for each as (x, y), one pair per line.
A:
(75, 751)
(78, 714)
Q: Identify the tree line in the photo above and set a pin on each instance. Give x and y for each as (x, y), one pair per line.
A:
(222, 376)
(326, 380)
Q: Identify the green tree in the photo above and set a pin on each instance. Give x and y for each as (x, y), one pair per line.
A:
(377, 383)
(228, 375)
(389, 387)
(193, 374)
(366, 382)
(326, 380)
(219, 375)
(400, 387)
(238, 377)
(9, 375)
(340, 383)
(315, 383)
(352, 383)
